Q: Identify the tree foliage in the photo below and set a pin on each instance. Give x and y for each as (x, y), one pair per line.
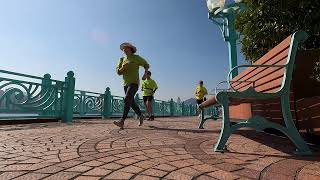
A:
(316, 71)
(265, 23)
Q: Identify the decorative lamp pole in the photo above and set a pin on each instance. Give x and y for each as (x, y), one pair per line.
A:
(223, 13)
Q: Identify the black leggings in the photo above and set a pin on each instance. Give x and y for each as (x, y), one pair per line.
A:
(130, 91)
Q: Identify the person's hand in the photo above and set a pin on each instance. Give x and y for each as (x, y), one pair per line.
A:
(125, 66)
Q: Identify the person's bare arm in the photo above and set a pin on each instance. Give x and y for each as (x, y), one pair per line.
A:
(145, 65)
(144, 76)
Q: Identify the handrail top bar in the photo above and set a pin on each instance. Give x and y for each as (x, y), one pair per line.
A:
(117, 96)
(25, 75)
(26, 82)
(88, 92)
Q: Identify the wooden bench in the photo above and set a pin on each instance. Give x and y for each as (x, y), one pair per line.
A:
(268, 78)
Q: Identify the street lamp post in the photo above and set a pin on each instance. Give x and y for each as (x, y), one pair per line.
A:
(223, 13)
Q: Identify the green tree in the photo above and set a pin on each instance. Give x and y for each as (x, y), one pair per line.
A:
(265, 23)
(316, 72)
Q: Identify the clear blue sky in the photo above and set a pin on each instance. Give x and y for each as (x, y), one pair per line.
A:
(55, 36)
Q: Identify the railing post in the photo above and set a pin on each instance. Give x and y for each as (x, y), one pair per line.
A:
(187, 109)
(183, 109)
(107, 106)
(45, 87)
(154, 108)
(137, 100)
(68, 98)
(82, 103)
(59, 100)
(192, 110)
(163, 108)
(172, 107)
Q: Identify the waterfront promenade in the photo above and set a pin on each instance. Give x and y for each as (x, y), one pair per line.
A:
(168, 148)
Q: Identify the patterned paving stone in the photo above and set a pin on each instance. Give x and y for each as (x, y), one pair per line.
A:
(87, 178)
(79, 168)
(11, 175)
(168, 148)
(32, 176)
(97, 172)
(155, 173)
(119, 175)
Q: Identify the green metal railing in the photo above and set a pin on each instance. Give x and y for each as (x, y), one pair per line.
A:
(87, 103)
(25, 96)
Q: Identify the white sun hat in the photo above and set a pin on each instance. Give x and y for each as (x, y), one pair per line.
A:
(126, 44)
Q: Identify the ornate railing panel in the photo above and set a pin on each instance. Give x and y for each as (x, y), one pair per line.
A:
(158, 108)
(166, 108)
(88, 103)
(178, 109)
(212, 111)
(117, 105)
(23, 96)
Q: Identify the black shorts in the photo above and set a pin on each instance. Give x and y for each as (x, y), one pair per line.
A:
(199, 101)
(147, 98)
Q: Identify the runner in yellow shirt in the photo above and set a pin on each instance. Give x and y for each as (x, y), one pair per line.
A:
(128, 67)
(149, 87)
(200, 93)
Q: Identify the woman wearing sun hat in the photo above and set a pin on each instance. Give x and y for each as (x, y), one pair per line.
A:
(128, 67)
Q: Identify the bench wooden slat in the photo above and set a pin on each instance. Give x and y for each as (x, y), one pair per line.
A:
(271, 54)
(256, 80)
(269, 87)
(278, 60)
(266, 79)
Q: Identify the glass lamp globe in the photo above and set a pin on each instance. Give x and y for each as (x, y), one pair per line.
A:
(216, 4)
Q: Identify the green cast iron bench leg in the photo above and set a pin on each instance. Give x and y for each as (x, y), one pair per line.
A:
(291, 130)
(259, 124)
(226, 125)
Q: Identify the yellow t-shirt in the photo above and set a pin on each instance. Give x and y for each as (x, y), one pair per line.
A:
(131, 75)
(148, 87)
(200, 92)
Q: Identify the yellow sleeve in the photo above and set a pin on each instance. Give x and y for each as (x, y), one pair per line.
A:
(205, 91)
(119, 65)
(155, 85)
(142, 62)
(196, 91)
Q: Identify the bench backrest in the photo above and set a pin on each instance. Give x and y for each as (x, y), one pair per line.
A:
(272, 79)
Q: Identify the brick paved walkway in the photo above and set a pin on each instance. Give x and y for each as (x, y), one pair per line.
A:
(168, 148)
